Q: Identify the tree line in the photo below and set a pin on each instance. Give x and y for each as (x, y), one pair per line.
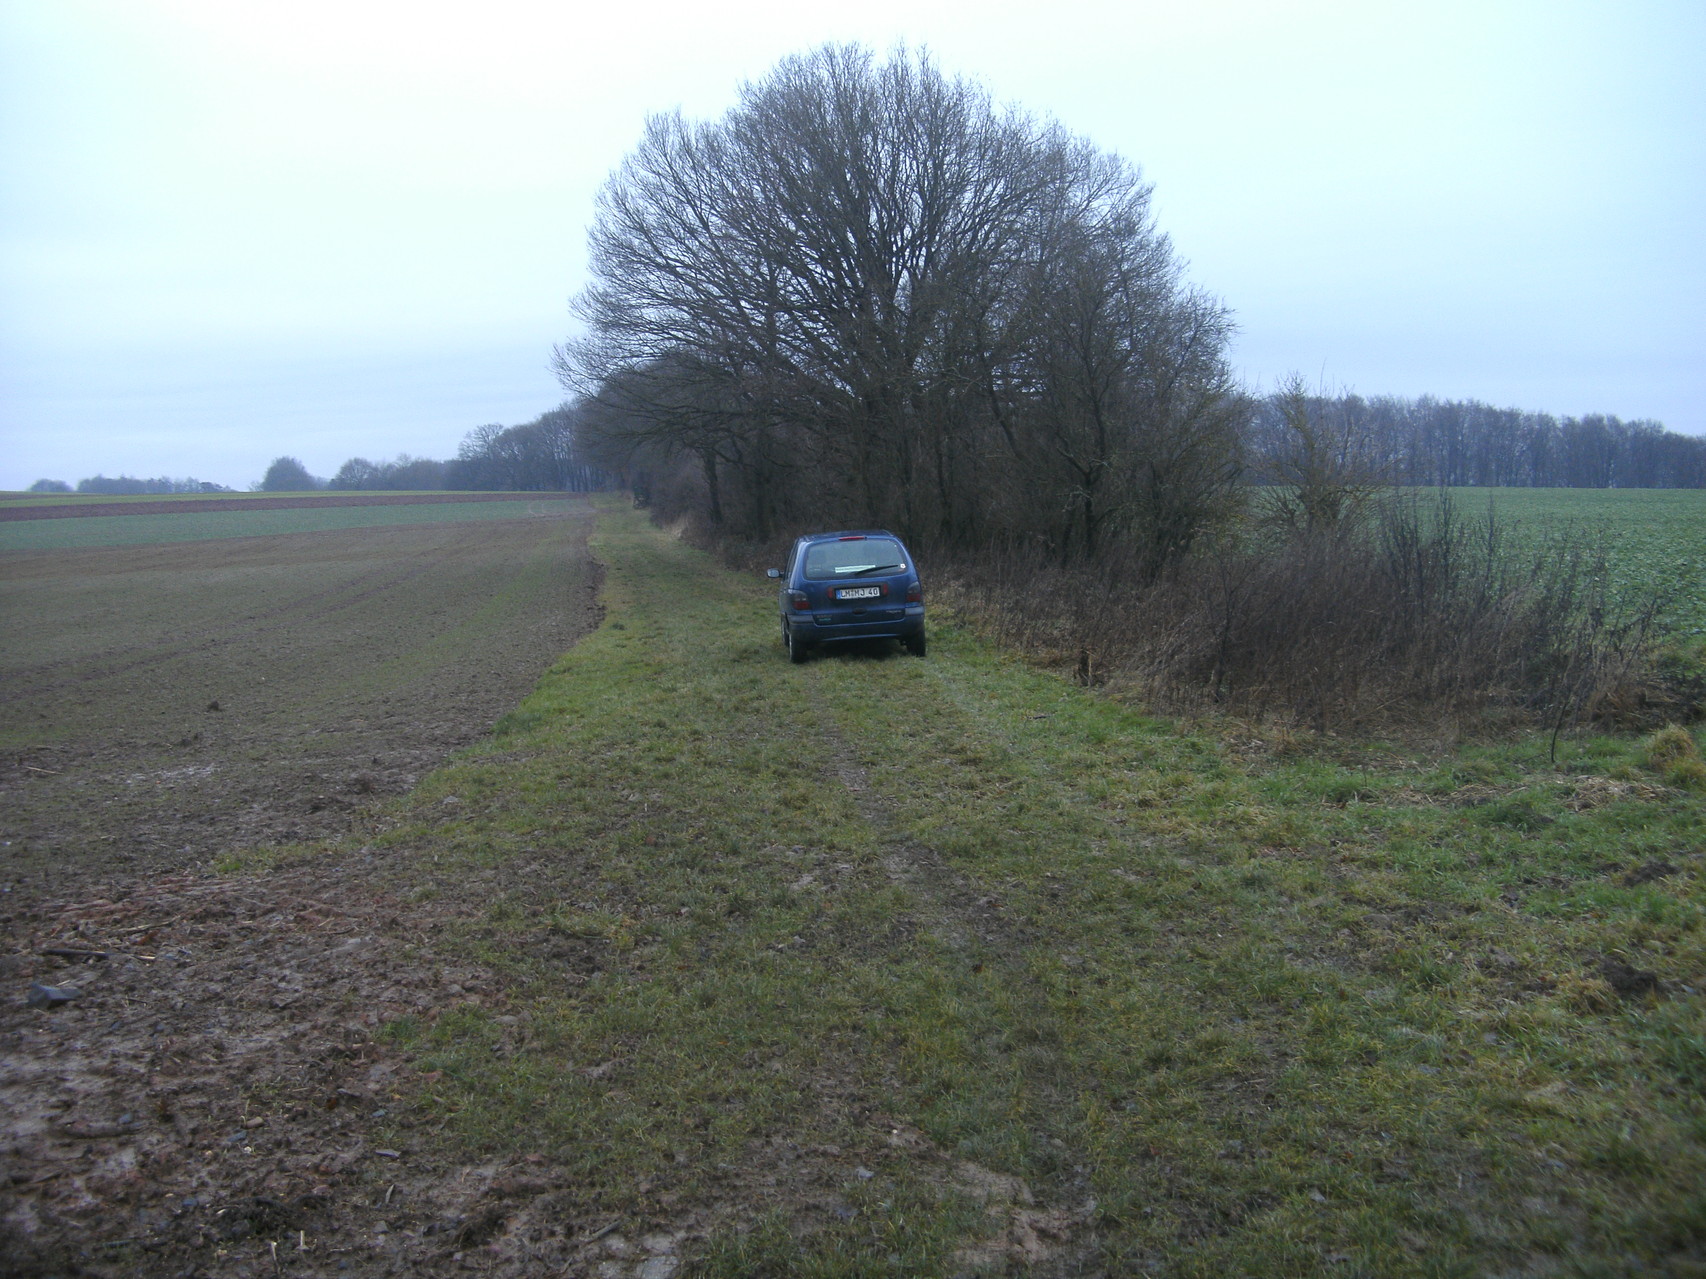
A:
(128, 486)
(1464, 443)
(1384, 440)
(544, 455)
(869, 295)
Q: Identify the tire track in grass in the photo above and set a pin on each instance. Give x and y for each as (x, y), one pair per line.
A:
(984, 952)
(728, 1067)
(1006, 779)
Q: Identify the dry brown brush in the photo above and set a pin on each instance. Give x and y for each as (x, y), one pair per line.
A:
(1413, 610)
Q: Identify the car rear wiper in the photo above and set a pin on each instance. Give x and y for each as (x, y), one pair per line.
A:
(862, 569)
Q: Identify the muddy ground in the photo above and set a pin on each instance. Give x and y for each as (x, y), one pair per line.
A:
(216, 1098)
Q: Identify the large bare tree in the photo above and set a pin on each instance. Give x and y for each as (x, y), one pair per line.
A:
(869, 293)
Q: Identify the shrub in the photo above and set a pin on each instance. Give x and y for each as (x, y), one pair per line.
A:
(1413, 607)
(1673, 753)
(1671, 745)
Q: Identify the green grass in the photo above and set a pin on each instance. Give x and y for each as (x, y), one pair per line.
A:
(848, 943)
(200, 526)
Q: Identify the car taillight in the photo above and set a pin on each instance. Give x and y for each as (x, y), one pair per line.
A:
(799, 601)
(915, 593)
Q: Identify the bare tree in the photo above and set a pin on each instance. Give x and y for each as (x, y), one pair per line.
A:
(1321, 457)
(845, 299)
(1134, 417)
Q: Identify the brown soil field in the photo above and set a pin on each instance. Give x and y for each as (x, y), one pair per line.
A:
(203, 1107)
(49, 510)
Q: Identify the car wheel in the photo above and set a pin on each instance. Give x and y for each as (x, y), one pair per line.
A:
(915, 644)
(796, 650)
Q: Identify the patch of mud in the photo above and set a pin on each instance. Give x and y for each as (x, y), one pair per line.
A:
(216, 1100)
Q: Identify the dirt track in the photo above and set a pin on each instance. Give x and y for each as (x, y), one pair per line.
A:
(216, 1101)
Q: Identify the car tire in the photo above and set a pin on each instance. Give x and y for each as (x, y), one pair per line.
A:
(915, 644)
(796, 650)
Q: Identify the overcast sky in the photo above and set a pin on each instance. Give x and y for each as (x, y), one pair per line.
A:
(234, 229)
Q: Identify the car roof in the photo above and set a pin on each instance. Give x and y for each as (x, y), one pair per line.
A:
(847, 532)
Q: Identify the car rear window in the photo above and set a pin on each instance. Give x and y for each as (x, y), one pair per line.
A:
(865, 557)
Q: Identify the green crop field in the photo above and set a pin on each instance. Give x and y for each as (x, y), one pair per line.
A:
(1656, 538)
(201, 526)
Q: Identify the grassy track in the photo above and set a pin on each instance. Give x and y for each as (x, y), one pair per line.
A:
(901, 967)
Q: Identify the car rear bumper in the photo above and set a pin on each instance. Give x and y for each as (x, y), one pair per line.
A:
(887, 623)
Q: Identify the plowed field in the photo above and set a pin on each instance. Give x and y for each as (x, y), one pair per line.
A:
(165, 709)
(161, 705)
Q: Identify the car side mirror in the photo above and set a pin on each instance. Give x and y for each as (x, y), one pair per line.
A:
(773, 572)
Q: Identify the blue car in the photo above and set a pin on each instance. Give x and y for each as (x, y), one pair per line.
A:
(857, 585)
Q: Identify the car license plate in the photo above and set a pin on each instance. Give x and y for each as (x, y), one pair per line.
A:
(858, 592)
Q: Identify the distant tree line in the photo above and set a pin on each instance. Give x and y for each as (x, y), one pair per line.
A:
(359, 474)
(1462, 443)
(545, 455)
(128, 485)
(868, 295)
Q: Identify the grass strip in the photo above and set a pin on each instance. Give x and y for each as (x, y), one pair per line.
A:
(882, 966)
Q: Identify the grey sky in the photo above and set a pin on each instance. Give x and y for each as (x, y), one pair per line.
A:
(234, 230)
